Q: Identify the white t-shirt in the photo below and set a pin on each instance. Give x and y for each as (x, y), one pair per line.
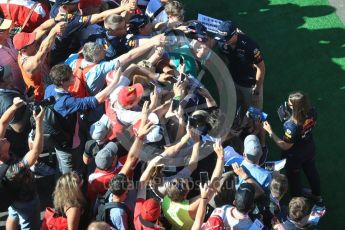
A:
(152, 7)
(226, 213)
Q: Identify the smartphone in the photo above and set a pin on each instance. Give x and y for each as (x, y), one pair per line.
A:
(192, 122)
(175, 104)
(181, 60)
(183, 77)
(169, 168)
(30, 91)
(204, 178)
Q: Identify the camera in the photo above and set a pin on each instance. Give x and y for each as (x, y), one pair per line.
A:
(199, 122)
(283, 112)
(256, 114)
(35, 106)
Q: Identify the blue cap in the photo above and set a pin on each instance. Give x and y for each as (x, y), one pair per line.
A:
(66, 2)
(225, 31)
(197, 31)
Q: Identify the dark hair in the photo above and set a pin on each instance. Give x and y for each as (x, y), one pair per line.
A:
(244, 197)
(300, 106)
(279, 185)
(60, 73)
(118, 184)
(298, 208)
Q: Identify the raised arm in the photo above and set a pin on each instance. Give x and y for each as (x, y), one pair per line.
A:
(47, 25)
(136, 147)
(137, 52)
(33, 61)
(244, 176)
(37, 146)
(219, 168)
(96, 18)
(103, 95)
(193, 162)
(9, 114)
(205, 196)
(280, 143)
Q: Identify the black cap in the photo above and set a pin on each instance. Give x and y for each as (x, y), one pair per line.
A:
(138, 21)
(225, 31)
(197, 31)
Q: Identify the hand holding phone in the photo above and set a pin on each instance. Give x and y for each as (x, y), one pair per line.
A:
(204, 178)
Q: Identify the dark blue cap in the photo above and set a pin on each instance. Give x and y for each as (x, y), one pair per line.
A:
(66, 2)
(197, 31)
(225, 31)
(138, 21)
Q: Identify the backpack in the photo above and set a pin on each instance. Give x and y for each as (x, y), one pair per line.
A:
(105, 207)
(79, 88)
(53, 221)
(60, 130)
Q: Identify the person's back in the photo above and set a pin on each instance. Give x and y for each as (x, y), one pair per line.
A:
(252, 153)
(19, 12)
(232, 217)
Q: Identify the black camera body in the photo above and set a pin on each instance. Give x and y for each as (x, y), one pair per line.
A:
(283, 112)
(35, 106)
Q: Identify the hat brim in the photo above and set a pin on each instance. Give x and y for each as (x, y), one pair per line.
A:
(139, 89)
(6, 24)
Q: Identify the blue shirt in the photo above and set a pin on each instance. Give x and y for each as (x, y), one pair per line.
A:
(113, 46)
(67, 104)
(95, 77)
(262, 176)
(118, 216)
(68, 42)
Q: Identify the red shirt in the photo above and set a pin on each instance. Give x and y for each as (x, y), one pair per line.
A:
(19, 10)
(99, 181)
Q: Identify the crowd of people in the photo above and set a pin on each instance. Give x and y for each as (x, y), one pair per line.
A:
(112, 89)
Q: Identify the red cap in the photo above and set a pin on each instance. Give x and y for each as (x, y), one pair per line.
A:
(151, 210)
(23, 39)
(128, 95)
(214, 223)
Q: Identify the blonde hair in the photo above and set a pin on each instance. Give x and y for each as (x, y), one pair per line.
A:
(67, 192)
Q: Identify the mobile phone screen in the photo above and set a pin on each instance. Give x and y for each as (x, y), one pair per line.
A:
(175, 104)
(181, 60)
(203, 177)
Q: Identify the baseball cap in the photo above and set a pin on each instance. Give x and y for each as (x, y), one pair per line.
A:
(214, 223)
(5, 70)
(252, 148)
(129, 94)
(100, 129)
(66, 2)
(225, 31)
(104, 157)
(150, 210)
(23, 39)
(197, 31)
(244, 197)
(137, 21)
(5, 23)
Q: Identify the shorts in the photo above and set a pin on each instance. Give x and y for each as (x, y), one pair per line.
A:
(245, 93)
(27, 212)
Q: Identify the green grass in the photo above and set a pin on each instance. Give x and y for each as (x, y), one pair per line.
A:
(303, 43)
